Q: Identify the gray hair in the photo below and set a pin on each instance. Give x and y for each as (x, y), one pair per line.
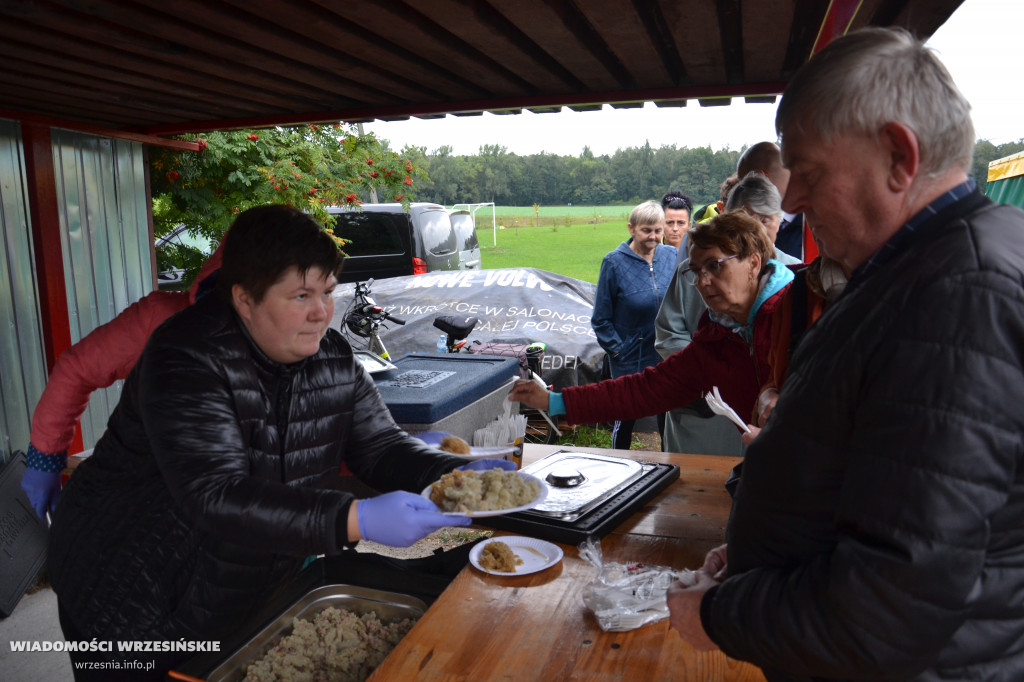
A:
(756, 193)
(647, 213)
(874, 76)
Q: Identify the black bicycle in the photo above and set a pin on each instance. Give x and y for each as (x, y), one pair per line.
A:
(540, 428)
(364, 319)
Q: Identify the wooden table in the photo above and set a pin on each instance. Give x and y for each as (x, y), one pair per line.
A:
(536, 627)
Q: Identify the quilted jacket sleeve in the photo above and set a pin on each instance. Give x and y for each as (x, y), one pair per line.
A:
(672, 383)
(679, 314)
(382, 454)
(207, 421)
(104, 356)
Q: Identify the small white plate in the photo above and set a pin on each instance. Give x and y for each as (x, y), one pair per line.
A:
(536, 554)
(490, 452)
(541, 496)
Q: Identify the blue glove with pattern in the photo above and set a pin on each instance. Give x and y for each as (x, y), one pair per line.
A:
(41, 480)
(400, 518)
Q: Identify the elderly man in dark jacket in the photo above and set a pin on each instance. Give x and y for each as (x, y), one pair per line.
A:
(878, 529)
(218, 472)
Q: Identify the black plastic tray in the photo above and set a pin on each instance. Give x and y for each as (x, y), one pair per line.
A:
(598, 522)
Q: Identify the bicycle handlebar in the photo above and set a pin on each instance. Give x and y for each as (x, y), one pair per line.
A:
(378, 313)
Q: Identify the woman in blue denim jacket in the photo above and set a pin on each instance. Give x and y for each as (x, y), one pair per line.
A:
(632, 283)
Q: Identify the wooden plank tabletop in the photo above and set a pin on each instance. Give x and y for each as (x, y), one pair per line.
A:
(536, 627)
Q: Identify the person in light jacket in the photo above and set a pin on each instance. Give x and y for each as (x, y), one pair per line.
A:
(630, 286)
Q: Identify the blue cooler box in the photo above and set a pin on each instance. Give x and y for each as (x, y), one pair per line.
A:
(457, 394)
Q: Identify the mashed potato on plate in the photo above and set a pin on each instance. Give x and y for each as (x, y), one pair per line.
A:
(470, 491)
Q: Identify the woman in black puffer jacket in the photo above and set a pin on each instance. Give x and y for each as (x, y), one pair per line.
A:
(216, 476)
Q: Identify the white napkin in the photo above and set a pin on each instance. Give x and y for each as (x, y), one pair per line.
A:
(505, 429)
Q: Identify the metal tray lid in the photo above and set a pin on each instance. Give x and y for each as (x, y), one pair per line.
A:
(579, 479)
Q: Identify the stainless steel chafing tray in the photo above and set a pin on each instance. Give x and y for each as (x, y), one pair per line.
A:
(389, 606)
(579, 481)
(589, 495)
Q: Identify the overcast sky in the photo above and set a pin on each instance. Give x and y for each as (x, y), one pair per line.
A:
(979, 45)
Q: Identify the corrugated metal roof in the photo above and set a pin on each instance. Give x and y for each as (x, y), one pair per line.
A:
(192, 65)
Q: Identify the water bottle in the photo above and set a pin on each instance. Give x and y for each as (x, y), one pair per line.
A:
(442, 344)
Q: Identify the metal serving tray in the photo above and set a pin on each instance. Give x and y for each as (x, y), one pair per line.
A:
(389, 606)
(580, 481)
(617, 488)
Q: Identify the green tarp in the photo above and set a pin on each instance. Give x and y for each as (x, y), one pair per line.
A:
(1006, 180)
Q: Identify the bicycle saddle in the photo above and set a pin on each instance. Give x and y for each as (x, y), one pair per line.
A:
(457, 328)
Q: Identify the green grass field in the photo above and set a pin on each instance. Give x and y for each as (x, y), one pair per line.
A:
(525, 213)
(575, 250)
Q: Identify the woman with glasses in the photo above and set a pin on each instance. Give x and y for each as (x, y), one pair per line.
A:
(732, 265)
(630, 287)
(695, 428)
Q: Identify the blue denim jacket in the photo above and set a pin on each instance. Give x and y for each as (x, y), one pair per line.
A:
(629, 293)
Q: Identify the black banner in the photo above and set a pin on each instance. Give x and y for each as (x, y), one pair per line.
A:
(514, 305)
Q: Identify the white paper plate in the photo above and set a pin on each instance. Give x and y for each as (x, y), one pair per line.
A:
(536, 554)
(490, 452)
(541, 496)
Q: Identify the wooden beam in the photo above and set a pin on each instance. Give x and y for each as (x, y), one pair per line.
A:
(35, 120)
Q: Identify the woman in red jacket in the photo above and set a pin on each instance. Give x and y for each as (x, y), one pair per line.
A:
(731, 265)
(107, 354)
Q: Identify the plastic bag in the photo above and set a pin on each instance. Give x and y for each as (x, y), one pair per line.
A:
(625, 596)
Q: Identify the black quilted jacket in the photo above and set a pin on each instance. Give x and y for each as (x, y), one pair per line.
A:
(878, 530)
(213, 480)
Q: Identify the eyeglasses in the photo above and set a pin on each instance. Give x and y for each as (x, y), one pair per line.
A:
(712, 267)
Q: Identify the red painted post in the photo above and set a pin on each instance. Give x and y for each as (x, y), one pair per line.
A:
(44, 219)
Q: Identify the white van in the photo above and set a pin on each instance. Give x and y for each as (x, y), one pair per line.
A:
(464, 224)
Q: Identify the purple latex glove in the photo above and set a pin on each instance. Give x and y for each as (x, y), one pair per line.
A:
(400, 518)
(488, 464)
(42, 489)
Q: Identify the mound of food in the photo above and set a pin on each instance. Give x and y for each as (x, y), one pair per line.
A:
(337, 646)
(497, 556)
(466, 491)
(454, 445)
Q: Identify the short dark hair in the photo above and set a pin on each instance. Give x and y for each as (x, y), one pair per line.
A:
(264, 242)
(677, 200)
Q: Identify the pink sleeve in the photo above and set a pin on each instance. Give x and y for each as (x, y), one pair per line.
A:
(107, 354)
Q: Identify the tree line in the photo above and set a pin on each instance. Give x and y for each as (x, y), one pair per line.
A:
(628, 176)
